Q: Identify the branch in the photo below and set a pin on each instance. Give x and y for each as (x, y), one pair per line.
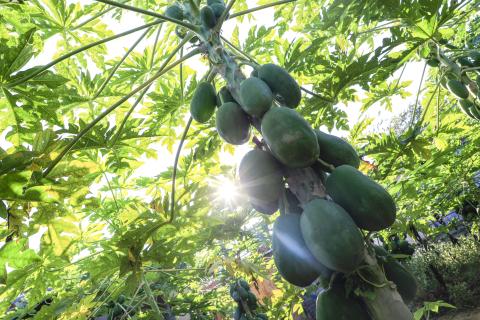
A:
(150, 13)
(174, 175)
(74, 52)
(104, 84)
(113, 107)
(265, 6)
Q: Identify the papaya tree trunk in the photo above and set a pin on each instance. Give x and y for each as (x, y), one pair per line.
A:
(304, 183)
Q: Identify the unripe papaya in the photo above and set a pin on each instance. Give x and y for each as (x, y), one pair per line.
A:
(457, 88)
(334, 304)
(398, 274)
(218, 9)
(433, 62)
(368, 203)
(254, 73)
(204, 102)
(232, 123)
(475, 56)
(465, 62)
(212, 2)
(336, 151)
(175, 12)
(281, 83)
(208, 17)
(256, 96)
(331, 235)
(261, 179)
(224, 96)
(466, 106)
(293, 260)
(290, 137)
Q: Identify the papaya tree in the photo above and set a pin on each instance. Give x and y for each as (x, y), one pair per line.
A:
(121, 235)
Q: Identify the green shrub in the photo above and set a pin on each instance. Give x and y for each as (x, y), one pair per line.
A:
(459, 270)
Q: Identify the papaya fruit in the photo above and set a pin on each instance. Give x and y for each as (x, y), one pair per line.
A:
(224, 96)
(174, 11)
(398, 274)
(267, 208)
(334, 304)
(465, 62)
(331, 235)
(457, 88)
(433, 62)
(261, 178)
(254, 73)
(232, 123)
(289, 203)
(368, 203)
(293, 260)
(336, 151)
(208, 17)
(218, 9)
(256, 96)
(475, 57)
(204, 102)
(290, 137)
(466, 106)
(281, 83)
(212, 2)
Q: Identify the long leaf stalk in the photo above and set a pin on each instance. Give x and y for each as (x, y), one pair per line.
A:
(113, 107)
(96, 16)
(164, 64)
(265, 6)
(175, 165)
(81, 49)
(150, 13)
(112, 72)
(151, 298)
(222, 18)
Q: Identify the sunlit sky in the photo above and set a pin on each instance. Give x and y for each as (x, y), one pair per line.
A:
(153, 167)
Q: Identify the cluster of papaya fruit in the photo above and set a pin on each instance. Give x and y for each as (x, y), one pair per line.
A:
(246, 302)
(465, 90)
(209, 16)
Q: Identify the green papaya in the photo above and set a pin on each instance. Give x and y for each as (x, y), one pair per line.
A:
(208, 17)
(175, 12)
(212, 2)
(465, 62)
(281, 83)
(398, 274)
(254, 73)
(334, 304)
(336, 151)
(466, 106)
(204, 102)
(224, 96)
(256, 96)
(267, 208)
(261, 178)
(294, 262)
(475, 56)
(433, 62)
(232, 123)
(289, 203)
(368, 203)
(242, 292)
(218, 9)
(244, 284)
(331, 235)
(290, 137)
(457, 88)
